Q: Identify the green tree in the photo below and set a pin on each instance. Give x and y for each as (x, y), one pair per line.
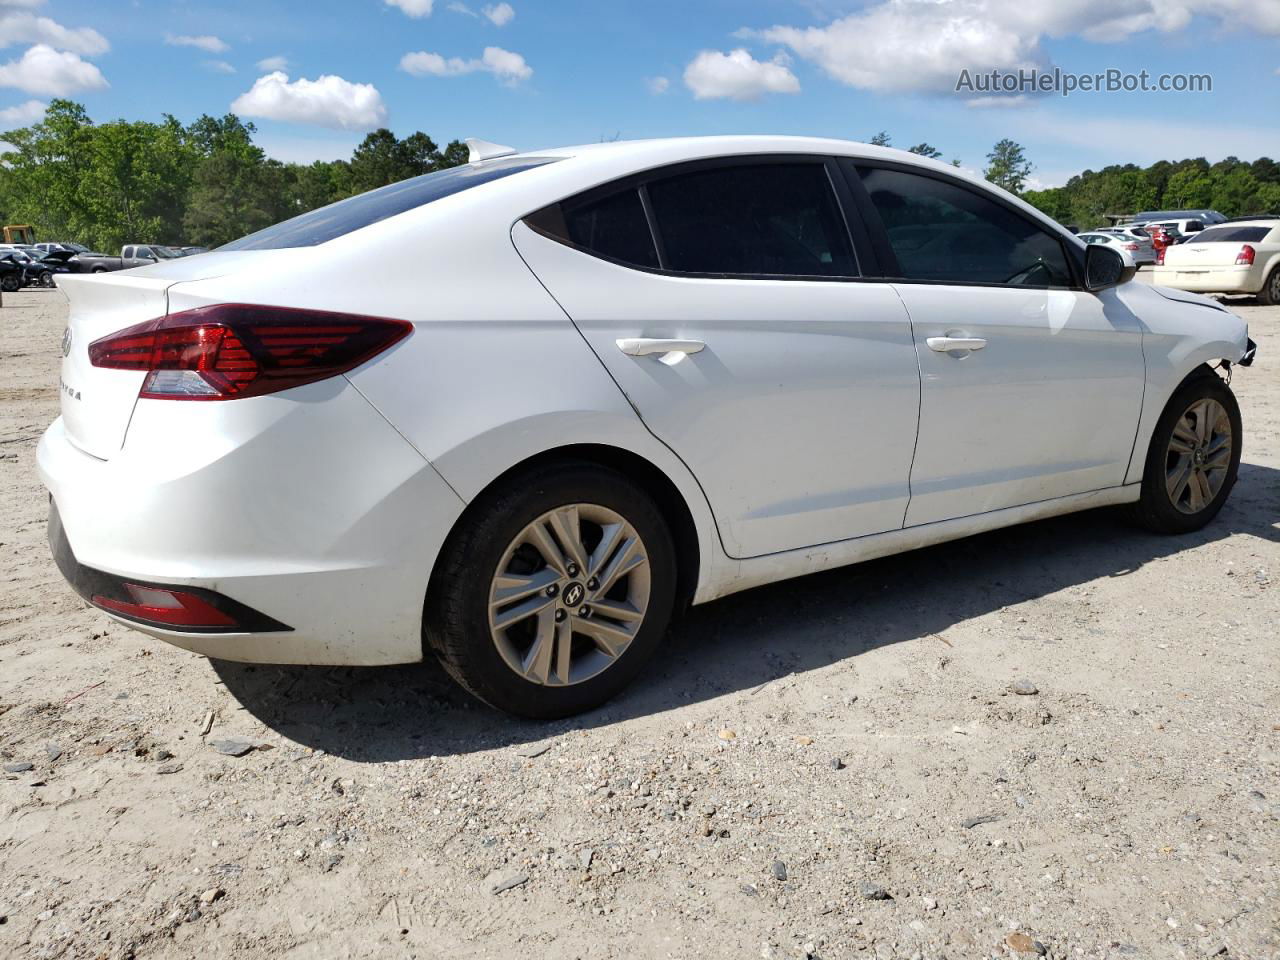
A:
(881, 139)
(926, 150)
(1187, 189)
(1008, 166)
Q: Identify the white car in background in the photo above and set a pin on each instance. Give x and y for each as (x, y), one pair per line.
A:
(1137, 248)
(1239, 257)
(574, 390)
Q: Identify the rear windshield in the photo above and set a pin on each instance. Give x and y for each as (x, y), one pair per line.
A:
(353, 213)
(1232, 235)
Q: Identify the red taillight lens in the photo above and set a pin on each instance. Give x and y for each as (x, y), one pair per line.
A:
(1245, 256)
(227, 351)
(1131, 246)
(167, 607)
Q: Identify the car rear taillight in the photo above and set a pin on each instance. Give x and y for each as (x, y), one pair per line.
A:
(233, 350)
(1131, 246)
(1245, 256)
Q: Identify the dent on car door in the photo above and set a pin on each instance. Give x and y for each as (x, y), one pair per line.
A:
(790, 388)
(1031, 388)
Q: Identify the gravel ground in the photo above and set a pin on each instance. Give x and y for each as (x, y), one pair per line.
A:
(1060, 739)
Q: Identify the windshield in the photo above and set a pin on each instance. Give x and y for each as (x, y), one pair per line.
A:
(351, 214)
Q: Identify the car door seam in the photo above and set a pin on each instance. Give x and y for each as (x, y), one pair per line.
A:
(915, 349)
(715, 522)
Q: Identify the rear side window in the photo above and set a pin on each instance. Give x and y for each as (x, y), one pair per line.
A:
(614, 227)
(775, 219)
(945, 233)
(351, 214)
(1233, 235)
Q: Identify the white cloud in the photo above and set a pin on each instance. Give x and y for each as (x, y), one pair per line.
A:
(657, 85)
(219, 66)
(23, 115)
(499, 14)
(458, 7)
(922, 45)
(414, 8)
(43, 69)
(737, 76)
(270, 64)
(508, 67)
(18, 26)
(327, 102)
(208, 44)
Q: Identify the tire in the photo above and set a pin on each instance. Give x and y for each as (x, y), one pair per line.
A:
(1269, 295)
(99, 270)
(1170, 504)
(10, 284)
(46, 279)
(497, 663)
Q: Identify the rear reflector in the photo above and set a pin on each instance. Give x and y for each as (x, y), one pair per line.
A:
(232, 350)
(161, 605)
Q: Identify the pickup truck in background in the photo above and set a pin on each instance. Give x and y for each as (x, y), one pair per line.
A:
(131, 255)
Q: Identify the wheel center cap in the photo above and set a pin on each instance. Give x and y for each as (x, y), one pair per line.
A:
(1199, 457)
(574, 594)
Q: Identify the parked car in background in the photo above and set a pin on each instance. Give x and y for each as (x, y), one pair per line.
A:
(192, 251)
(1184, 228)
(601, 383)
(131, 255)
(12, 274)
(35, 273)
(1229, 258)
(1139, 249)
(49, 247)
(1206, 217)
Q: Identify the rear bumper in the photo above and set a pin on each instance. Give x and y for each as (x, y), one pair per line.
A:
(1240, 279)
(305, 507)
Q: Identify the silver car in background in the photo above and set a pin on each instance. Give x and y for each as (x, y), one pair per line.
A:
(1137, 246)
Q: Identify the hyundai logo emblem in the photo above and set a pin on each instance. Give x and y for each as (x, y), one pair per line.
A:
(66, 342)
(573, 594)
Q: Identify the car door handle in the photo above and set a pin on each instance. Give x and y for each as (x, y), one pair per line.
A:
(947, 344)
(643, 347)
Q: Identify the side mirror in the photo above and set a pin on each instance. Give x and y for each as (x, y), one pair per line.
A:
(1105, 267)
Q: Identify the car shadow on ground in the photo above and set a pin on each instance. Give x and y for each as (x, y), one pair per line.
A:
(376, 714)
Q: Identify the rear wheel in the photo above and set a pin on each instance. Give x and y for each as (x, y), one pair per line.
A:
(1269, 295)
(10, 283)
(1193, 458)
(554, 591)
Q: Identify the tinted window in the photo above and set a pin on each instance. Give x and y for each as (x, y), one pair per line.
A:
(943, 232)
(353, 213)
(777, 219)
(1232, 235)
(613, 227)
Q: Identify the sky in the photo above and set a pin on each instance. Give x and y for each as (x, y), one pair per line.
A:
(316, 75)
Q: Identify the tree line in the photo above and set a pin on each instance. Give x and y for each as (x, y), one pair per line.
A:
(1233, 187)
(207, 183)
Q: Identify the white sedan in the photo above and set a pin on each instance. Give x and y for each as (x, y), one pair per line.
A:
(581, 388)
(1237, 257)
(1138, 248)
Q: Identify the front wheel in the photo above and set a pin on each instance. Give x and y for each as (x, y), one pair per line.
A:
(10, 283)
(553, 591)
(1193, 458)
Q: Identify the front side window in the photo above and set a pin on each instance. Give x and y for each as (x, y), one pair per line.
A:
(755, 220)
(946, 233)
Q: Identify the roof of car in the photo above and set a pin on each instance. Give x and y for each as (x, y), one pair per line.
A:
(1267, 222)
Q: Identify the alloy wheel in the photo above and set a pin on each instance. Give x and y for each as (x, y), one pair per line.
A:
(569, 594)
(1199, 456)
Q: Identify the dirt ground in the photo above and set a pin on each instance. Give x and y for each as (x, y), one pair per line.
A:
(835, 766)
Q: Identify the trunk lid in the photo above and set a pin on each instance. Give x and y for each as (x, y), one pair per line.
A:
(1202, 256)
(97, 403)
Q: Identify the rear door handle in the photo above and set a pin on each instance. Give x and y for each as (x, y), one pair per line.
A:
(643, 347)
(947, 344)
